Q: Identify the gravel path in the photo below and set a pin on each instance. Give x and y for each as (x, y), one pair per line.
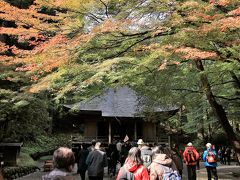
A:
(225, 172)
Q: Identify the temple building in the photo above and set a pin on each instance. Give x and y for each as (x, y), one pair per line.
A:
(115, 114)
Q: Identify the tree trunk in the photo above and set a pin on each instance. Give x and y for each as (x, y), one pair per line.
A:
(1, 174)
(218, 111)
(201, 131)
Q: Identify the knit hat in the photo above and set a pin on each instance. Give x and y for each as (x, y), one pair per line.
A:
(140, 142)
(97, 145)
(208, 145)
(190, 144)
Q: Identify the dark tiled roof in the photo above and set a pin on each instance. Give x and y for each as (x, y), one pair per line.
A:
(120, 102)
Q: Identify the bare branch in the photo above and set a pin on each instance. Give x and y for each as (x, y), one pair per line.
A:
(229, 99)
(218, 84)
(165, 33)
(106, 7)
(236, 80)
(188, 90)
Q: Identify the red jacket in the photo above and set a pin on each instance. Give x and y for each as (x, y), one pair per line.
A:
(139, 171)
(186, 158)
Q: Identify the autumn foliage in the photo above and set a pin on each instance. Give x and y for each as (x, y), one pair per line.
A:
(31, 41)
(35, 39)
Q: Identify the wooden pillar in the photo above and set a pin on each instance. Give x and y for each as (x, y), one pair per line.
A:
(155, 132)
(135, 129)
(90, 129)
(1, 175)
(169, 141)
(109, 132)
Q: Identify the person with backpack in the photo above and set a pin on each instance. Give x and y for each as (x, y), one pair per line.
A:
(96, 161)
(220, 155)
(146, 153)
(133, 168)
(177, 159)
(228, 155)
(113, 157)
(124, 151)
(82, 166)
(191, 156)
(162, 166)
(210, 161)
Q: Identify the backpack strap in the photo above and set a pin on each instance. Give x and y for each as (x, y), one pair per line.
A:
(125, 174)
(131, 176)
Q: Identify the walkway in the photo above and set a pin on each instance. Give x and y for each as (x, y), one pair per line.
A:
(225, 172)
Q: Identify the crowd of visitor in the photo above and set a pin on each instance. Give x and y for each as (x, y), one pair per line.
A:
(139, 162)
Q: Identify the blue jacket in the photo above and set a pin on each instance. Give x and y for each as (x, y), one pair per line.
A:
(205, 158)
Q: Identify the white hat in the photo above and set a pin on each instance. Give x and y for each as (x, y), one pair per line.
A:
(208, 145)
(97, 145)
(189, 144)
(140, 142)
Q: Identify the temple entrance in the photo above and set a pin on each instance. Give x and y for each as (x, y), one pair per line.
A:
(122, 128)
(102, 129)
(135, 128)
(119, 129)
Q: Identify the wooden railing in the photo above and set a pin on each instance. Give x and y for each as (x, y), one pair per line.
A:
(165, 140)
(90, 138)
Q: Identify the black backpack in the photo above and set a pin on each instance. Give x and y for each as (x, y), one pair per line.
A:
(191, 156)
(146, 156)
(125, 174)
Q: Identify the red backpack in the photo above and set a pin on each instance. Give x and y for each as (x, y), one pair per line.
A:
(211, 158)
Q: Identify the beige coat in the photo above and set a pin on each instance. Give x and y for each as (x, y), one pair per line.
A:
(156, 168)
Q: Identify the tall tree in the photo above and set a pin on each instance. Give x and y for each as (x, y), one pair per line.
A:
(210, 41)
(191, 47)
(173, 51)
